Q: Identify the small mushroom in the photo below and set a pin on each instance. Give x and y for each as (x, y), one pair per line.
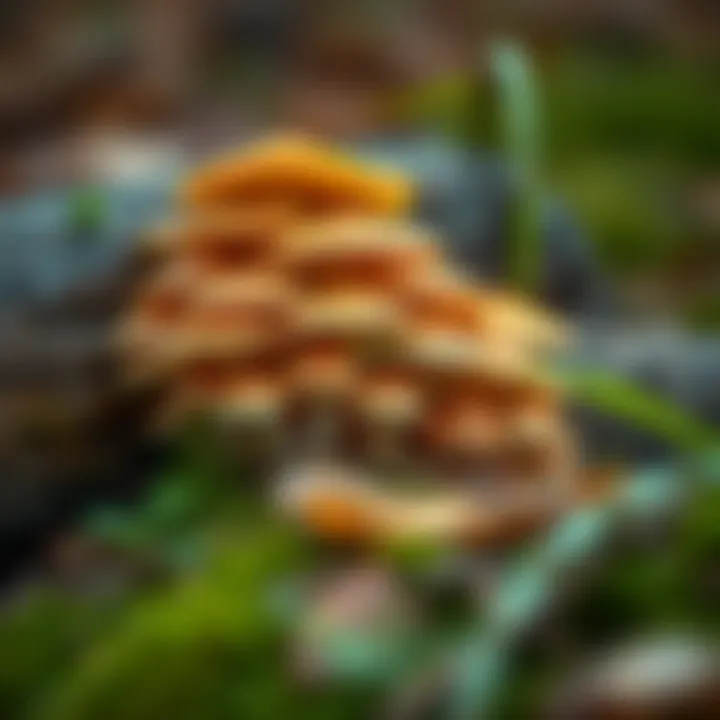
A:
(164, 298)
(245, 396)
(236, 240)
(146, 333)
(512, 318)
(441, 300)
(252, 410)
(334, 501)
(235, 316)
(356, 253)
(322, 374)
(252, 400)
(538, 448)
(463, 434)
(389, 402)
(348, 314)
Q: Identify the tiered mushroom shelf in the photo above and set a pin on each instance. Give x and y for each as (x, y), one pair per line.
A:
(295, 303)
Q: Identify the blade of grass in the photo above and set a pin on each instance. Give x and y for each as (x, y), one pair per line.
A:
(622, 398)
(519, 118)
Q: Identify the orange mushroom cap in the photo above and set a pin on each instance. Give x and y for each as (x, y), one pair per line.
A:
(314, 177)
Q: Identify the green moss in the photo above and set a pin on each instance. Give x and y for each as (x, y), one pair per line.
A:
(40, 638)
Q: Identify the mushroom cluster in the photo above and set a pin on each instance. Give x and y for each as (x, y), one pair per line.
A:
(295, 303)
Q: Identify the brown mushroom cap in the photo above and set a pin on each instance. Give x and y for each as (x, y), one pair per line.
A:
(239, 315)
(389, 399)
(440, 299)
(323, 367)
(514, 319)
(236, 240)
(357, 252)
(146, 334)
(464, 425)
(444, 353)
(350, 314)
(206, 378)
(233, 296)
(252, 398)
(215, 382)
(165, 296)
(533, 418)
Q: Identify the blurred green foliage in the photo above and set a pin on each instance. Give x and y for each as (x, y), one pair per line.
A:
(647, 587)
(521, 128)
(655, 105)
(627, 140)
(87, 212)
(621, 399)
(702, 312)
(630, 139)
(210, 643)
(41, 635)
(627, 206)
(641, 590)
(207, 647)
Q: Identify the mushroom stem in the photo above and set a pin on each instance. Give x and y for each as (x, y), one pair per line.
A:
(563, 468)
(278, 447)
(385, 446)
(323, 427)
